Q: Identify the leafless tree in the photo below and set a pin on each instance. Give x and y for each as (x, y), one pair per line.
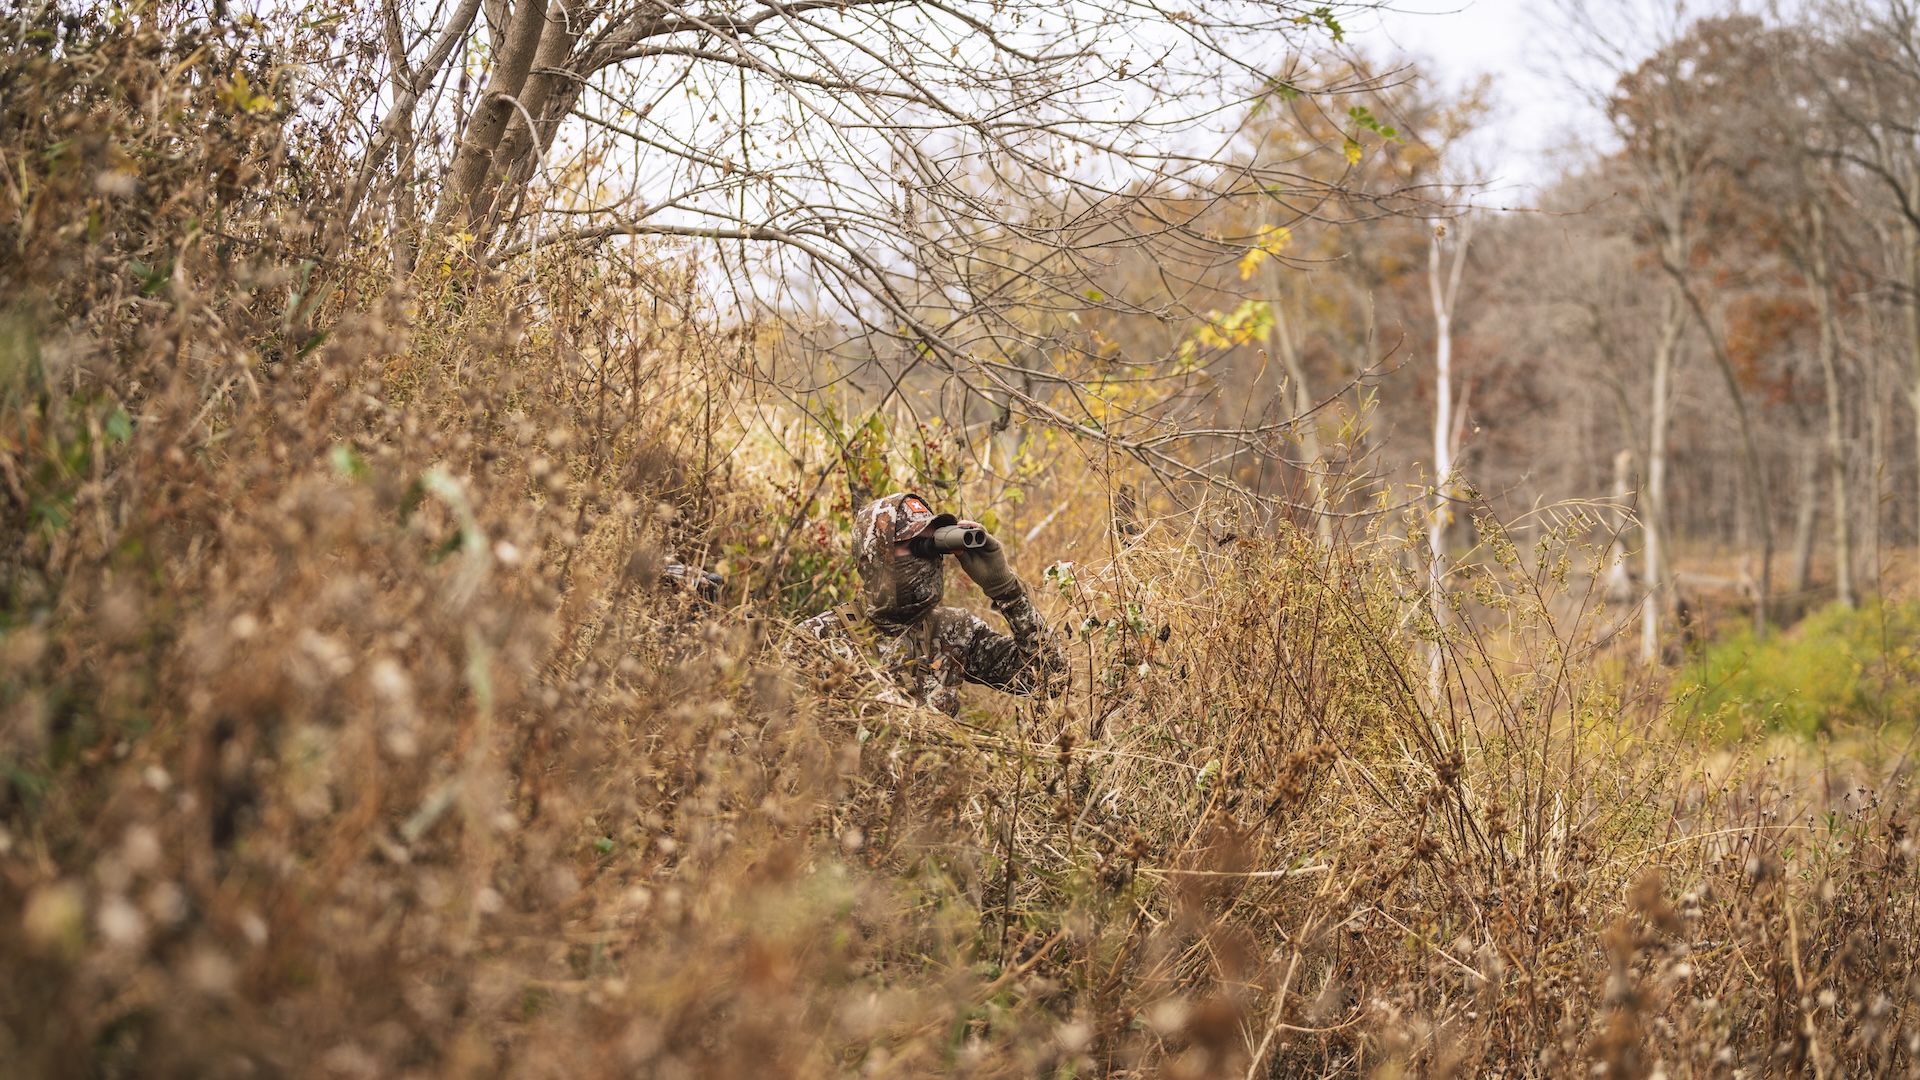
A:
(922, 176)
(1872, 79)
(1668, 110)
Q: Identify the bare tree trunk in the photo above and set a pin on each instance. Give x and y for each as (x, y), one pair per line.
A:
(1912, 237)
(1876, 470)
(498, 14)
(406, 209)
(397, 127)
(1806, 515)
(1444, 429)
(1759, 498)
(549, 96)
(473, 164)
(1303, 403)
(1653, 508)
(1836, 417)
(1619, 579)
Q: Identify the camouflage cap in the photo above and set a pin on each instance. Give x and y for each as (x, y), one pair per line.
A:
(894, 519)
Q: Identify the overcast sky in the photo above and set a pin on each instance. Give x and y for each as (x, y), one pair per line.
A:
(1536, 114)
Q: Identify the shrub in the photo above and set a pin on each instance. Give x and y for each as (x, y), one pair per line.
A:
(348, 731)
(1840, 669)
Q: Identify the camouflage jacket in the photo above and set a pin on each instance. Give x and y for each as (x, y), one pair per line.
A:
(930, 658)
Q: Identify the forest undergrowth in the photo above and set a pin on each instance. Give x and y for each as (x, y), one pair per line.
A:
(348, 728)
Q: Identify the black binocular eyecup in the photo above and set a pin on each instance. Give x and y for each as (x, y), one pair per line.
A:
(947, 539)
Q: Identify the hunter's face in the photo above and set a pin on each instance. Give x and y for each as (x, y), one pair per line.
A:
(902, 552)
(899, 586)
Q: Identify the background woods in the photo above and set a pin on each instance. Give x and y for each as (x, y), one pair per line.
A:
(1490, 628)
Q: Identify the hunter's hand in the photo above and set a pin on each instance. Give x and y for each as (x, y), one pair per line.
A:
(988, 568)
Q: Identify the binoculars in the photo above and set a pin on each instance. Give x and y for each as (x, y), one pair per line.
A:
(948, 538)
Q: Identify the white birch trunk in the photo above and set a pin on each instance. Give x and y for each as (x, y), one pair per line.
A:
(1445, 430)
(1619, 579)
(1912, 238)
(1654, 504)
(1836, 418)
(1806, 515)
(1876, 467)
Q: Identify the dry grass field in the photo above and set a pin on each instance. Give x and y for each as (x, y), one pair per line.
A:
(347, 731)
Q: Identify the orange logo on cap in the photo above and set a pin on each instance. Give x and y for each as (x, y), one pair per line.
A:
(915, 507)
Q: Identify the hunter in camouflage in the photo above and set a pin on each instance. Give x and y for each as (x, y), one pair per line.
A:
(929, 650)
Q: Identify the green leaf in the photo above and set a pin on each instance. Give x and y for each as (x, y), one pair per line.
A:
(451, 544)
(119, 426)
(346, 462)
(152, 278)
(1363, 119)
(50, 514)
(1283, 90)
(1323, 16)
(603, 844)
(314, 342)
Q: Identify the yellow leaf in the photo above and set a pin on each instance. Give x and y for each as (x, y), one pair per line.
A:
(1270, 240)
(1353, 152)
(238, 95)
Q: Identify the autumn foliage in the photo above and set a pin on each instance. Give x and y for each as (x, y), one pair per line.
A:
(348, 728)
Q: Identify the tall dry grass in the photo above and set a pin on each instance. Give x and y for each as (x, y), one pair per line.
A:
(348, 730)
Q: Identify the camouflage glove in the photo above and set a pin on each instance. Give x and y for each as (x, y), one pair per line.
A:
(988, 568)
